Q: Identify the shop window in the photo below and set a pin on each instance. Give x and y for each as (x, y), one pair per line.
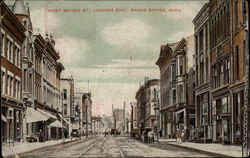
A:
(225, 107)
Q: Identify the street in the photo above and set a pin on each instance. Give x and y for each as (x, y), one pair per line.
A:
(113, 147)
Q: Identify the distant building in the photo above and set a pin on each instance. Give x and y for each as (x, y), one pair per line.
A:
(87, 112)
(146, 104)
(68, 109)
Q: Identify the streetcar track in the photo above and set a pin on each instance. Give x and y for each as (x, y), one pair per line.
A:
(91, 146)
(103, 147)
(132, 146)
(119, 148)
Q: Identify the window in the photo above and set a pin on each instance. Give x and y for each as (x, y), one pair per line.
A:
(207, 68)
(10, 90)
(181, 65)
(244, 12)
(235, 14)
(201, 69)
(7, 84)
(237, 64)
(201, 40)
(7, 48)
(10, 51)
(173, 71)
(3, 45)
(65, 109)
(64, 93)
(215, 77)
(18, 89)
(3, 82)
(25, 79)
(227, 72)
(196, 44)
(180, 93)
(221, 81)
(225, 108)
(174, 96)
(14, 87)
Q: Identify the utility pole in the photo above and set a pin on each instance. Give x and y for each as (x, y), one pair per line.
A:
(86, 111)
(124, 121)
(246, 117)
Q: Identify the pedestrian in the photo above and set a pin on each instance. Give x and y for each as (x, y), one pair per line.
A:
(160, 133)
(182, 135)
(149, 137)
(153, 137)
(178, 136)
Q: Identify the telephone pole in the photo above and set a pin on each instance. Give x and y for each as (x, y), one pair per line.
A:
(246, 115)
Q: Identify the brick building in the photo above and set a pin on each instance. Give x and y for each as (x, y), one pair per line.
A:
(239, 34)
(203, 131)
(220, 51)
(12, 41)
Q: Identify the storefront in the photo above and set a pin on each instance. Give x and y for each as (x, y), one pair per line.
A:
(11, 123)
(221, 119)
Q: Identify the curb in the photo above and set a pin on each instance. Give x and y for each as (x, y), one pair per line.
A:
(55, 145)
(198, 150)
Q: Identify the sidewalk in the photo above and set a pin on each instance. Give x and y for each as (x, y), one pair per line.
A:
(213, 148)
(19, 147)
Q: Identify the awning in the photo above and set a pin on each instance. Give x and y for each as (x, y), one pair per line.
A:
(56, 124)
(47, 114)
(33, 115)
(3, 118)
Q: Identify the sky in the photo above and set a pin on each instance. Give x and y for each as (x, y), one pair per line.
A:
(113, 50)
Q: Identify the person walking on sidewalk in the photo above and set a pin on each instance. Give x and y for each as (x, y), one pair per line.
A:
(178, 137)
(149, 137)
(182, 136)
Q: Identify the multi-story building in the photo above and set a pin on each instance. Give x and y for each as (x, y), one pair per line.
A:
(146, 98)
(12, 42)
(79, 110)
(67, 88)
(141, 112)
(39, 90)
(87, 112)
(167, 89)
(203, 121)
(183, 81)
(221, 69)
(151, 87)
(239, 20)
(177, 97)
(97, 124)
(134, 122)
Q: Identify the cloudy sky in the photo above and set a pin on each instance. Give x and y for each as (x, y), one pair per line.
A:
(114, 51)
